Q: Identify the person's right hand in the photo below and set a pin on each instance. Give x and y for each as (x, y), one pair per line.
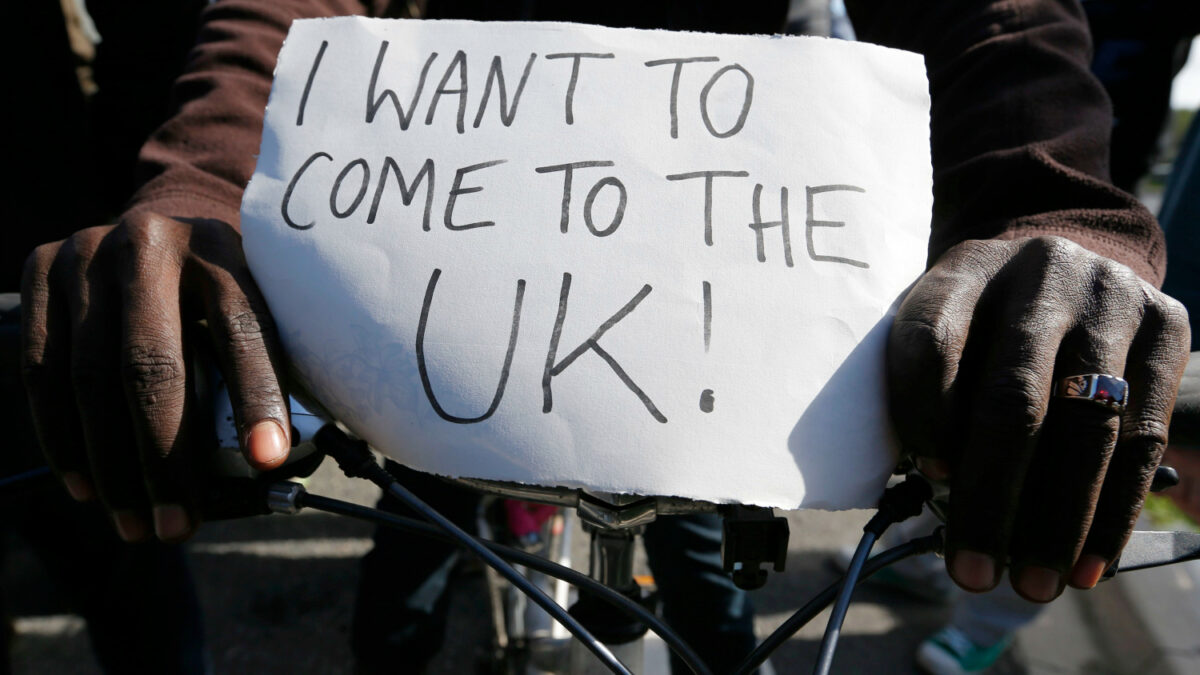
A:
(106, 363)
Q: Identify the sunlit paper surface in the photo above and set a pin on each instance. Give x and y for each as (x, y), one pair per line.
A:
(659, 352)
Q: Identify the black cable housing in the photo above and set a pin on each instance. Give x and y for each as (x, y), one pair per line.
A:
(833, 629)
(582, 581)
(820, 601)
(24, 480)
(356, 461)
(898, 502)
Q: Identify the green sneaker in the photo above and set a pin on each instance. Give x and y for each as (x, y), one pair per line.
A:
(950, 652)
(929, 586)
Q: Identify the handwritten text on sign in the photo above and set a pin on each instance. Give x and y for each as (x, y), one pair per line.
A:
(637, 261)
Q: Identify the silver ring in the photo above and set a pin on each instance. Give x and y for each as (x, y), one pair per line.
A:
(1107, 390)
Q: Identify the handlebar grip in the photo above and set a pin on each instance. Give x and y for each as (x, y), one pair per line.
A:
(1164, 477)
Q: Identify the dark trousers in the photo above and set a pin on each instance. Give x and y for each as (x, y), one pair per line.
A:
(138, 600)
(400, 617)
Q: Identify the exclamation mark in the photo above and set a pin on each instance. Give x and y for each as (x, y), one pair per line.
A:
(706, 396)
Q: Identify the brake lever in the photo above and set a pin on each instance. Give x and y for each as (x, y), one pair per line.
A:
(1148, 549)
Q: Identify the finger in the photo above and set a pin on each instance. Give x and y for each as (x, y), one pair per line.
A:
(248, 350)
(1063, 485)
(1155, 365)
(924, 349)
(45, 365)
(96, 380)
(1006, 372)
(1076, 443)
(154, 374)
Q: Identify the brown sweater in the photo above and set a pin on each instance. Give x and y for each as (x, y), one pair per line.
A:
(1020, 128)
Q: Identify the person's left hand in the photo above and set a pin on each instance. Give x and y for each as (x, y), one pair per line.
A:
(1049, 486)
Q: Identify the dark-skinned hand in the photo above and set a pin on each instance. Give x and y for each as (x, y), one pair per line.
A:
(1047, 485)
(108, 375)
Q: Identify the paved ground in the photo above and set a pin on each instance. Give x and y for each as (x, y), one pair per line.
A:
(278, 591)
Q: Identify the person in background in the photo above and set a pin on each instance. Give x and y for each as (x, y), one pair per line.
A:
(79, 110)
(1138, 50)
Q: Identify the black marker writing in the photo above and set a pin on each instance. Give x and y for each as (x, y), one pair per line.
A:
(678, 63)
(287, 194)
(707, 315)
(568, 177)
(575, 58)
(458, 63)
(496, 73)
(553, 369)
(457, 190)
(374, 103)
(407, 192)
(810, 223)
(706, 396)
(747, 98)
(759, 226)
(504, 370)
(337, 188)
(618, 214)
(345, 198)
(312, 74)
(708, 193)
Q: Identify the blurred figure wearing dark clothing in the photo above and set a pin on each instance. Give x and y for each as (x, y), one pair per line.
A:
(75, 150)
(1139, 48)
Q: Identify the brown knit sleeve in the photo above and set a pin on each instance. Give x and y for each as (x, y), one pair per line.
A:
(1020, 128)
(197, 164)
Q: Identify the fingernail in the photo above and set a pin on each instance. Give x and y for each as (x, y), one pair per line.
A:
(934, 469)
(1088, 570)
(130, 526)
(1039, 584)
(973, 571)
(266, 444)
(78, 486)
(171, 522)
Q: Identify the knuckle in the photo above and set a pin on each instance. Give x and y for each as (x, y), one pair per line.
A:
(1012, 402)
(922, 353)
(147, 236)
(245, 344)
(929, 336)
(976, 258)
(246, 325)
(1169, 313)
(38, 262)
(153, 373)
(1051, 251)
(1115, 284)
(1145, 438)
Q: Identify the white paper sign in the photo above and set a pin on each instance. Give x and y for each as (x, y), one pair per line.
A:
(634, 261)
